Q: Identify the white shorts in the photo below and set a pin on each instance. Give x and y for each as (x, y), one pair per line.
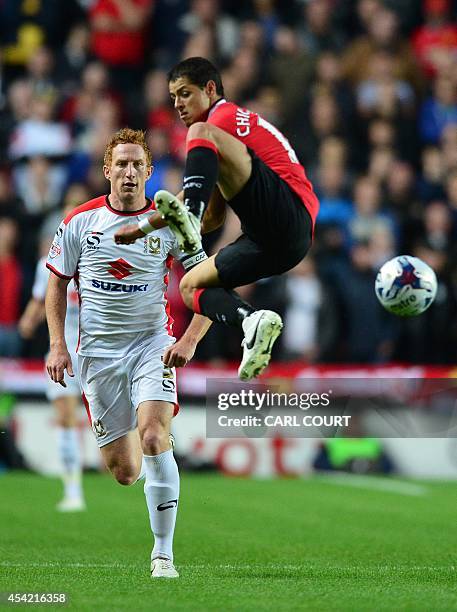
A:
(54, 390)
(113, 388)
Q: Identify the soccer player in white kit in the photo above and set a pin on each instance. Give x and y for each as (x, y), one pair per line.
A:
(64, 399)
(126, 353)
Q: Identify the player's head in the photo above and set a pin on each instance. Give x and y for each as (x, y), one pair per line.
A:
(194, 84)
(127, 163)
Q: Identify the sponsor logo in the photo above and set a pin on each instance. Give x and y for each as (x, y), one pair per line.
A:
(98, 428)
(168, 385)
(120, 268)
(167, 505)
(55, 250)
(118, 287)
(168, 382)
(93, 240)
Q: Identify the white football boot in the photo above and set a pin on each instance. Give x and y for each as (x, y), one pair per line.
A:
(163, 568)
(71, 504)
(181, 221)
(261, 329)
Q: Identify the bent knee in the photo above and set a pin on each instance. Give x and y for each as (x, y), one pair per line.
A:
(125, 475)
(186, 288)
(200, 129)
(154, 441)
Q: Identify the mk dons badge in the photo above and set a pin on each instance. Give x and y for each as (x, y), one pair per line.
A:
(153, 245)
(98, 428)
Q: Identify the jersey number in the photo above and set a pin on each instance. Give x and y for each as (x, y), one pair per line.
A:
(282, 139)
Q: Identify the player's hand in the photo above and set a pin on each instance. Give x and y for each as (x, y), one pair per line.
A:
(179, 354)
(128, 234)
(57, 362)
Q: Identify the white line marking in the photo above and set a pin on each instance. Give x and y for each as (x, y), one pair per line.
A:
(243, 567)
(376, 483)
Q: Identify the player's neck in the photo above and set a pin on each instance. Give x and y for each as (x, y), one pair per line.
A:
(124, 205)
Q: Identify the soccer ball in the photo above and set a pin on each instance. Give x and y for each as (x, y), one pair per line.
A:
(406, 286)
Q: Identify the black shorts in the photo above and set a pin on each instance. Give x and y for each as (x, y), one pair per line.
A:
(277, 229)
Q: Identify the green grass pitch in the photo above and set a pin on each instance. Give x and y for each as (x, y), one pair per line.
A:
(317, 544)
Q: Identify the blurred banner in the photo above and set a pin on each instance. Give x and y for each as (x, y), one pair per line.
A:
(26, 377)
(35, 429)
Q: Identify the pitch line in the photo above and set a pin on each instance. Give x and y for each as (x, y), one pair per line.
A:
(375, 483)
(241, 567)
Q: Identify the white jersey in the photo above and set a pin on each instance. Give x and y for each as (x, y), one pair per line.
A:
(72, 319)
(122, 288)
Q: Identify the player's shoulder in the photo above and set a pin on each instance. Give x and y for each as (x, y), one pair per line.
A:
(221, 110)
(87, 207)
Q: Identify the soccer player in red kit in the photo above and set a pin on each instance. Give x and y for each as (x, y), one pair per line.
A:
(236, 157)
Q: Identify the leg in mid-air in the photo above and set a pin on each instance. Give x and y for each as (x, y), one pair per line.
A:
(69, 453)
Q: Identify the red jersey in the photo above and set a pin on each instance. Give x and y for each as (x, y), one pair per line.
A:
(269, 144)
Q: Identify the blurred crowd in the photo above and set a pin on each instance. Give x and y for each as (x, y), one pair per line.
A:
(365, 90)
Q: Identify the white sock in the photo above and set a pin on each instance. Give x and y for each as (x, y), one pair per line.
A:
(162, 494)
(68, 446)
(142, 473)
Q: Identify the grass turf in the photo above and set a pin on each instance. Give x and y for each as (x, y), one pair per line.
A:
(240, 545)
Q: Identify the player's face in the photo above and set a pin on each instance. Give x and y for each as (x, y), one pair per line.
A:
(128, 171)
(191, 101)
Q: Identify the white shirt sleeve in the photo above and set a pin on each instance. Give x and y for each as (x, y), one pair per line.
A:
(64, 252)
(41, 280)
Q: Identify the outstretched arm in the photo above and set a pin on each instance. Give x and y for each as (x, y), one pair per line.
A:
(180, 353)
(212, 219)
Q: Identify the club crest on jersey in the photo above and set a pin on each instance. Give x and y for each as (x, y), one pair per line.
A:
(152, 245)
(93, 240)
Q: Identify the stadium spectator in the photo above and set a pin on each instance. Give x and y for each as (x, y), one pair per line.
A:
(439, 110)
(367, 331)
(309, 318)
(317, 32)
(205, 17)
(40, 134)
(119, 30)
(438, 227)
(435, 41)
(72, 58)
(289, 69)
(368, 215)
(431, 338)
(382, 94)
(382, 34)
(10, 288)
(430, 181)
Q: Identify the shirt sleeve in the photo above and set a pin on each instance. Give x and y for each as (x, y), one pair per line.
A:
(41, 281)
(64, 252)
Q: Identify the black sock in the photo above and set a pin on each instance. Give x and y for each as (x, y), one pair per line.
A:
(200, 175)
(222, 305)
